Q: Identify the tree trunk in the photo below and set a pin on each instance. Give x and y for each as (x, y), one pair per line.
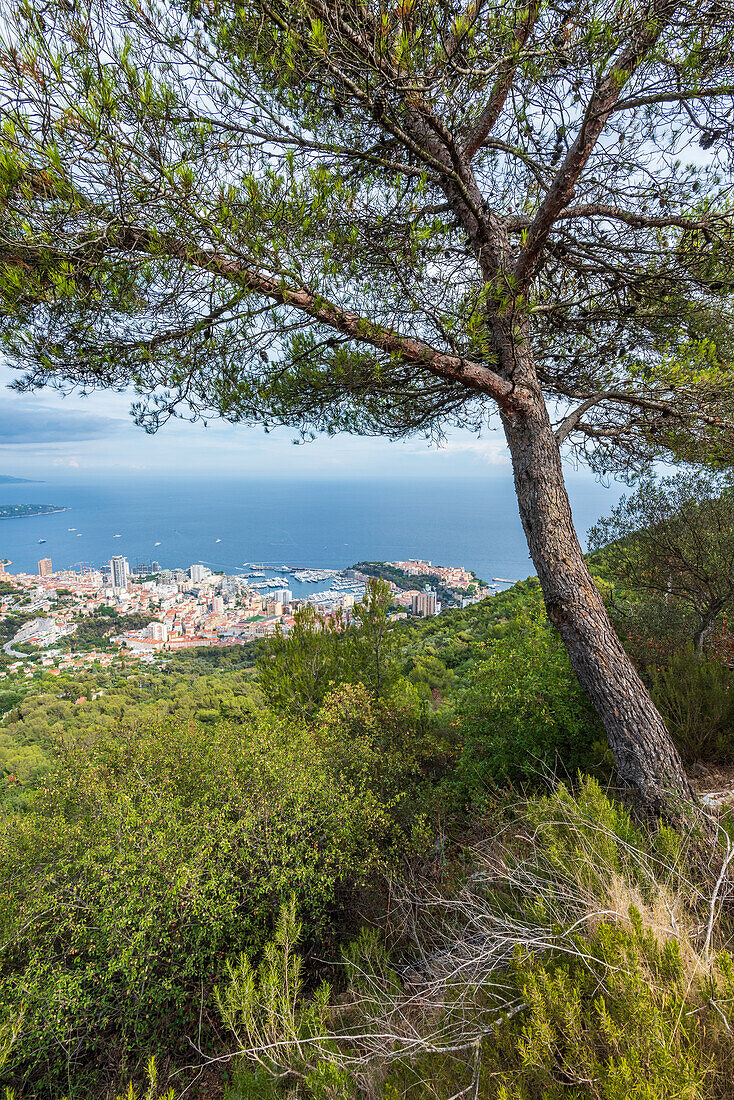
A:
(648, 764)
(705, 627)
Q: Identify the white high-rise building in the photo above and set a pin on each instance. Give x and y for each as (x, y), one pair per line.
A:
(119, 573)
(218, 605)
(159, 632)
(198, 573)
(282, 595)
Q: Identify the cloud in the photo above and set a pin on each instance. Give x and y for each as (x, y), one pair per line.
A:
(36, 425)
(490, 452)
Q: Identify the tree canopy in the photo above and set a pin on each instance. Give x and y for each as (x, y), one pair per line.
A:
(675, 537)
(289, 211)
(391, 216)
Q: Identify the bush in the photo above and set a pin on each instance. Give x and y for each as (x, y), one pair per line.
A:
(578, 961)
(523, 712)
(652, 629)
(695, 696)
(620, 1020)
(298, 670)
(149, 858)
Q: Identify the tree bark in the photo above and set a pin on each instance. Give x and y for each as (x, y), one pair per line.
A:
(648, 765)
(705, 627)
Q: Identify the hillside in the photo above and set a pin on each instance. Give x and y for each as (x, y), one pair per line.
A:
(311, 813)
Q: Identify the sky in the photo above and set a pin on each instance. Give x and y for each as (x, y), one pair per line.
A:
(49, 435)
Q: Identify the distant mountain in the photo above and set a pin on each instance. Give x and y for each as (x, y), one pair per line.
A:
(5, 480)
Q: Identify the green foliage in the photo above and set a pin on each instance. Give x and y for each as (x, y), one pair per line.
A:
(651, 628)
(386, 742)
(265, 1010)
(152, 1090)
(431, 674)
(675, 537)
(522, 711)
(695, 695)
(180, 817)
(620, 1024)
(9, 699)
(330, 218)
(148, 859)
(298, 669)
(609, 993)
(371, 641)
(619, 1020)
(94, 631)
(70, 707)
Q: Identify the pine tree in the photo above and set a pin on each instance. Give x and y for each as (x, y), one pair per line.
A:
(391, 216)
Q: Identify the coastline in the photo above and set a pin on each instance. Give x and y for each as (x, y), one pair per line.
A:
(35, 515)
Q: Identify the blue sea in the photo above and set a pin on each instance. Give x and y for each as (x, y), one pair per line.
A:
(228, 522)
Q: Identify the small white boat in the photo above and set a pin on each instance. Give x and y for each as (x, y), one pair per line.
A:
(156, 544)
(71, 528)
(217, 540)
(117, 536)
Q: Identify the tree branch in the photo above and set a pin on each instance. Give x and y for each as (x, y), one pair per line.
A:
(454, 368)
(570, 422)
(673, 97)
(649, 25)
(503, 83)
(615, 213)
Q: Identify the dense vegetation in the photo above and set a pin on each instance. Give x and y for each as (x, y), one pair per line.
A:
(278, 849)
(94, 631)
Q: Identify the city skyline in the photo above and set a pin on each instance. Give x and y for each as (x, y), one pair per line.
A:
(149, 617)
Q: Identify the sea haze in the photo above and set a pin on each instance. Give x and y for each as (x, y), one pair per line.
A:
(472, 522)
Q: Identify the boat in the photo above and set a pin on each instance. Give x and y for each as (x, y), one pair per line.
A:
(71, 528)
(117, 536)
(156, 544)
(41, 540)
(217, 540)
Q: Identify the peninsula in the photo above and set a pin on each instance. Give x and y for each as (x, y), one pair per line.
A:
(23, 511)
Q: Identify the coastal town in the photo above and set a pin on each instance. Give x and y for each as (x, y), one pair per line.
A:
(163, 611)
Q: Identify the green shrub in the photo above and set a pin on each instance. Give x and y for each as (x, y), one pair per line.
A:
(523, 712)
(652, 629)
(149, 858)
(298, 670)
(576, 963)
(695, 695)
(620, 1020)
